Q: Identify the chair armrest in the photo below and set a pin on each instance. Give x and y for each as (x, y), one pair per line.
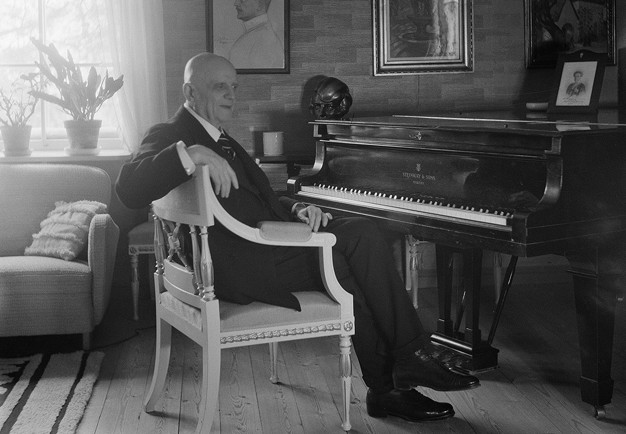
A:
(101, 252)
(284, 231)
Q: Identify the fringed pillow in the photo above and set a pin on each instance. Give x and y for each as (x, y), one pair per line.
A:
(64, 231)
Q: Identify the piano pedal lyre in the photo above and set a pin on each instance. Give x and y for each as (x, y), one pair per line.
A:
(414, 262)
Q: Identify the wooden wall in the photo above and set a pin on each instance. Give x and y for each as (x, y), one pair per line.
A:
(333, 37)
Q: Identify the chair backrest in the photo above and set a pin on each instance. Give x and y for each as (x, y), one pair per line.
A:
(185, 204)
(28, 192)
(194, 204)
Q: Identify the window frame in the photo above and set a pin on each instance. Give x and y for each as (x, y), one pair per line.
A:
(52, 137)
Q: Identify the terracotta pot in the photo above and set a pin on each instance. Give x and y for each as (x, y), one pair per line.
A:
(83, 136)
(16, 140)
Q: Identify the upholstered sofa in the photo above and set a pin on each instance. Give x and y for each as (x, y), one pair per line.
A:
(43, 294)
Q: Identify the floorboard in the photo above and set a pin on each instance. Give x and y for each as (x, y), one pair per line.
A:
(534, 389)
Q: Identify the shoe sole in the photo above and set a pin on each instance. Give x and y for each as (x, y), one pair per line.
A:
(409, 387)
(427, 419)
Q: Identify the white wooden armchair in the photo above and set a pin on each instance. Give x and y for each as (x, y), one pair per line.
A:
(185, 296)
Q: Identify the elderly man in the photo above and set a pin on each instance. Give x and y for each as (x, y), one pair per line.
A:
(390, 343)
(259, 46)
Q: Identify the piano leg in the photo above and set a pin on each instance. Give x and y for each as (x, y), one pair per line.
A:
(464, 351)
(497, 274)
(596, 290)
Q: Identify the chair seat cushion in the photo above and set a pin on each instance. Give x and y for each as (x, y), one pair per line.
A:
(38, 274)
(316, 307)
(40, 295)
(141, 234)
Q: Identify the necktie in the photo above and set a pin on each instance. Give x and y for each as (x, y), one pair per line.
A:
(224, 142)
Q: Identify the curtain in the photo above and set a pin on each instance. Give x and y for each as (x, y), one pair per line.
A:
(138, 52)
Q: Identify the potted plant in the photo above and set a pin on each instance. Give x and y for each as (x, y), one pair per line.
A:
(81, 98)
(17, 105)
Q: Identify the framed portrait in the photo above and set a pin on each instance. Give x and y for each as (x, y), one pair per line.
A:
(564, 26)
(578, 82)
(422, 36)
(252, 34)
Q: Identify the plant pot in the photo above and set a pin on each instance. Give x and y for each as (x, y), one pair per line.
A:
(16, 140)
(83, 136)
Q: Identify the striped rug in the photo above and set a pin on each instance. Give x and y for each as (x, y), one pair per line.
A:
(46, 393)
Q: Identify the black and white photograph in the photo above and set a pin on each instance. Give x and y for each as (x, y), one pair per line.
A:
(578, 82)
(312, 216)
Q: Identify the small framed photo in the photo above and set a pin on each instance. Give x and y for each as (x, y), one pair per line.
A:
(422, 36)
(578, 82)
(252, 34)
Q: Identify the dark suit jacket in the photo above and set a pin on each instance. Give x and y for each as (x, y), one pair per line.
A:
(244, 271)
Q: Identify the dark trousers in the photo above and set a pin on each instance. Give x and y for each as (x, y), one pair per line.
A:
(386, 324)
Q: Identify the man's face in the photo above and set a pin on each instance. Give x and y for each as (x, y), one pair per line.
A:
(248, 9)
(214, 96)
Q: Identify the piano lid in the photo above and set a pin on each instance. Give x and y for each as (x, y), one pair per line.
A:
(525, 123)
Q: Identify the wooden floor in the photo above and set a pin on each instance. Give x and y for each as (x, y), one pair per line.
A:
(534, 390)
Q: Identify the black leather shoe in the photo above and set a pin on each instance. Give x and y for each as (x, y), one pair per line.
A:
(409, 405)
(421, 369)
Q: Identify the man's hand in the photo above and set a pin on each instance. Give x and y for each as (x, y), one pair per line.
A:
(222, 175)
(314, 217)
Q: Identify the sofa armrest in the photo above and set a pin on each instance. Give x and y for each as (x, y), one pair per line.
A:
(101, 252)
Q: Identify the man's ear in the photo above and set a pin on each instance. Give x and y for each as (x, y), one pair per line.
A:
(188, 91)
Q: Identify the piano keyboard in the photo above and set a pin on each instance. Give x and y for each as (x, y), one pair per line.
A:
(406, 204)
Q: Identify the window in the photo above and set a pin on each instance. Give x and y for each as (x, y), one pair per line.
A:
(79, 26)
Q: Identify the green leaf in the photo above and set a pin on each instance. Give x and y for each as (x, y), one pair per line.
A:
(93, 81)
(46, 97)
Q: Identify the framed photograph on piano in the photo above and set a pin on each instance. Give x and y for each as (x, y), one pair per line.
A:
(578, 82)
(563, 26)
(422, 36)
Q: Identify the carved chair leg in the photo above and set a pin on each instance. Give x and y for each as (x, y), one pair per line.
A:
(345, 367)
(211, 365)
(161, 363)
(134, 265)
(273, 361)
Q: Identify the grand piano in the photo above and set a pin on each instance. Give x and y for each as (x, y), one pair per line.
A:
(514, 184)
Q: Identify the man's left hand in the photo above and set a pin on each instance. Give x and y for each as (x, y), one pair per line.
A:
(314, 217)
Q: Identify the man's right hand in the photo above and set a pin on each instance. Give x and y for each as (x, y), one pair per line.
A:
(222, 175)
